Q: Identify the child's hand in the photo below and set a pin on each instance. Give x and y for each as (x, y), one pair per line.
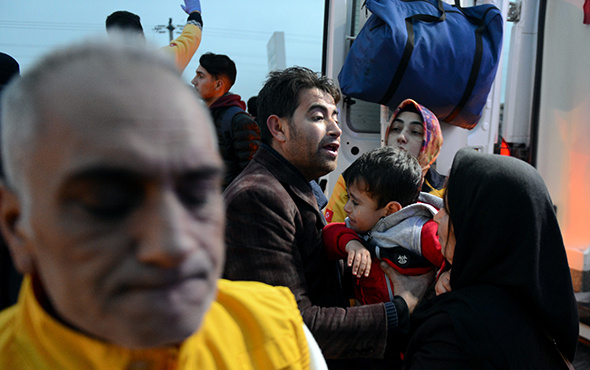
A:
(359, 258)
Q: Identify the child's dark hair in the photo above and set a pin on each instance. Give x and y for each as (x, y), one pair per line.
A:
(389, 173)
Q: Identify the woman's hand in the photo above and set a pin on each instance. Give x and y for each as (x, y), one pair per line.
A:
(443, 285)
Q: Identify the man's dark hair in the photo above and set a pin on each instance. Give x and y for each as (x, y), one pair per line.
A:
(252, 105)
(389, 174)
(280, 94)
(219, 65)
(9, 68)
(124, 20)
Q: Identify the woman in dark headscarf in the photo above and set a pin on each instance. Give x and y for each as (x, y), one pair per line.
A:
(512, 304)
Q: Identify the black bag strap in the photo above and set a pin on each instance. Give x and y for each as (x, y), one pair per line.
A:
(476, 61)
(565, 360)
(227, 119)
(470, 18)
(409, 48)
(428, 17)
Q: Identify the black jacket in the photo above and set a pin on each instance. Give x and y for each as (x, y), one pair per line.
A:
(237, 145)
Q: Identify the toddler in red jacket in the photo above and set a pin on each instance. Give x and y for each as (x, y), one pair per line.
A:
(388, 219)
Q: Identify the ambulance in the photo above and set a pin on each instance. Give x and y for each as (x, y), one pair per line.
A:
(538, 109)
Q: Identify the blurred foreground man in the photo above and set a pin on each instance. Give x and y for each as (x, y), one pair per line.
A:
(112, 209)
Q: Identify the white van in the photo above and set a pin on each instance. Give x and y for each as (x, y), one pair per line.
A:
(539, 104)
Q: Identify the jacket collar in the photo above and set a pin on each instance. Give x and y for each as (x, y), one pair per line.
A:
(286, 173)
(228, 100)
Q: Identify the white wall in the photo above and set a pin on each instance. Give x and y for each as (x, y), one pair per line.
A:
(564, 137)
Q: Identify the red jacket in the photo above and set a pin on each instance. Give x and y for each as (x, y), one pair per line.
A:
(376, 287)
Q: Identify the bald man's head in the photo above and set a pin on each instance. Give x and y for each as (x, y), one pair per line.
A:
(114, 197)
(56, 83)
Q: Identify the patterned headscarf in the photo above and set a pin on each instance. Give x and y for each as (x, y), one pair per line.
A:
(432, 135)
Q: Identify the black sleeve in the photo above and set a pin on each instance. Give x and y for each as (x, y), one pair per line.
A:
(246, 134)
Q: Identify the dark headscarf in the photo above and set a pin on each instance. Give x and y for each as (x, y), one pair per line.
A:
(508, 240)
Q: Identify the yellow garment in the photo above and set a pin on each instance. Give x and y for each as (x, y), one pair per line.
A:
(185, 45)
(249, 326)
(257, 327)
(438, 192)
(334, 211)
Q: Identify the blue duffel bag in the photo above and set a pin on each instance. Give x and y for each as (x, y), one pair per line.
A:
(443, 56)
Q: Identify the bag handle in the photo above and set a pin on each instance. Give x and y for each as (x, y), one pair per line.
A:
(430, 18)
(481, 27)
(409, 48)
(472, 19)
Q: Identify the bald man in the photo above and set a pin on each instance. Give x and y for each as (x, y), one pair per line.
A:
(112, 209)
